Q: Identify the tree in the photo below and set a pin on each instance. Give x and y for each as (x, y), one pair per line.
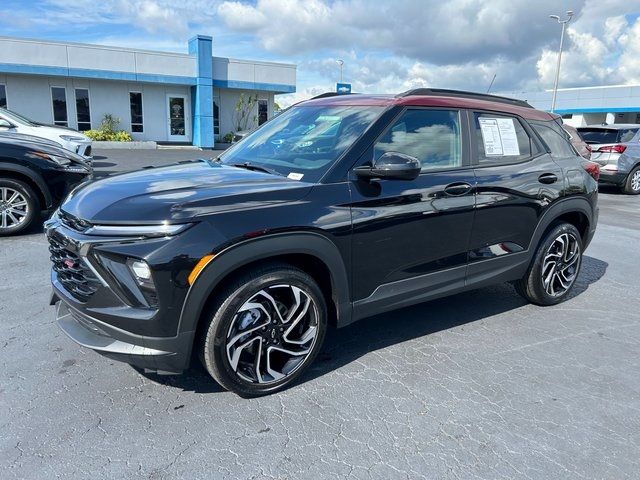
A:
(244, 112)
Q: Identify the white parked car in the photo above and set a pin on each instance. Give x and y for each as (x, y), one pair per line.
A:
(70, 139)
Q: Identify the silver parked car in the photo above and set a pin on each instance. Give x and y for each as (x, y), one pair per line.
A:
(616, 148)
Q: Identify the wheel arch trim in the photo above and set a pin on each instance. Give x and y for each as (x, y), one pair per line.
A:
(241, 254)
(33, 177)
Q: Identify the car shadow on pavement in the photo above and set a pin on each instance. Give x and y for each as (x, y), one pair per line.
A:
(345, 345)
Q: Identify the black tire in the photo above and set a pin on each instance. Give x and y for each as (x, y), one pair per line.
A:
(8, 226)
(223, 318)
(532, 286)
(632, 184)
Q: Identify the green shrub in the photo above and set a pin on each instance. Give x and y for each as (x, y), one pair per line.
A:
(108, 131)
(228, 138)
(100, 136)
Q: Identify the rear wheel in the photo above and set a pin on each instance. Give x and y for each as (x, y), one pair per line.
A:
(632, 185)
(555, 267)
(264, 330)
(18, 206)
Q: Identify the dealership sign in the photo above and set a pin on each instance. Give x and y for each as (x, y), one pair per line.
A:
(343, 88)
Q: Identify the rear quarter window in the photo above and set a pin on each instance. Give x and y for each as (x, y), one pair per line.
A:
(555, 137)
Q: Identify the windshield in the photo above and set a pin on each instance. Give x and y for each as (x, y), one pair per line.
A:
(303, 142)
(607, 135)
(16, 117)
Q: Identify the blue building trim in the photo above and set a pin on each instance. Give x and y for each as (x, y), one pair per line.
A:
(201, 47)
(243, 85)
(97, 74)
(562, 111)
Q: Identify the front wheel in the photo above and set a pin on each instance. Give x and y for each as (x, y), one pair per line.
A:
(19, 206)
(632, 185)
(264, 330)
(555, 267)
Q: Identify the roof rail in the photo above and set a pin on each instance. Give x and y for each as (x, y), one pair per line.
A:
(442, 92)
(328, 94)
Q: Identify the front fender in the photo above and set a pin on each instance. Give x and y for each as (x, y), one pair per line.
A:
(243, 253)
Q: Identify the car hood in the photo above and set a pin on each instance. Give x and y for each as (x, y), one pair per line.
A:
(53, 131)
(178, 193)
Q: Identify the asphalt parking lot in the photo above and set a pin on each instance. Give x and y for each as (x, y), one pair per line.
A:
(477, 386)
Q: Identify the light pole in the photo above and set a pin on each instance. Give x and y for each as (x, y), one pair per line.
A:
(555, 85)
(341, 63)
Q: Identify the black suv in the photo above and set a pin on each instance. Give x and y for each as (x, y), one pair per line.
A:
(35, 176)
(339, 208)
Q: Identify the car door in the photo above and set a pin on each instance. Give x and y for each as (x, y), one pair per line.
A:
(516, 181)
(410, 238)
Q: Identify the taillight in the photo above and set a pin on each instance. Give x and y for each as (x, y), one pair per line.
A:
(592, 169)
(613, 149)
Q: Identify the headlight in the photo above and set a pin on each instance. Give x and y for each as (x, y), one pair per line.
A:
(162, 230)
(71, 138)
(68, 164)
(63, 162)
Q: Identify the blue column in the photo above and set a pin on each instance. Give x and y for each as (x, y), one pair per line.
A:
(200, 46)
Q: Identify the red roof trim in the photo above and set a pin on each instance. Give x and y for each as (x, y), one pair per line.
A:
(432, 101)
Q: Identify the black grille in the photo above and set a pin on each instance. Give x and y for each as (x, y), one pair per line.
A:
(73, 274)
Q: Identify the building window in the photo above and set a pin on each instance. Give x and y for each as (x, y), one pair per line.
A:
(3, 96)
(216, 114)
(262, 111)
(59, 99)
(83, 111)
(135, 102)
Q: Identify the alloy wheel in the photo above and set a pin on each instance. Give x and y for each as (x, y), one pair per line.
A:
(14, 208)
(272, 334)
(635, 181)
(561, 264)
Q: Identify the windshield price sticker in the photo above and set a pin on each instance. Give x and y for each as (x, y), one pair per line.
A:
(295, 176)
(499, 136)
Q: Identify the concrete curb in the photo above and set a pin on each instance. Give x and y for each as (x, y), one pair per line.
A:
(124, 145)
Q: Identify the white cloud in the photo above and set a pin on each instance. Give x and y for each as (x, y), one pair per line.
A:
(629, 65)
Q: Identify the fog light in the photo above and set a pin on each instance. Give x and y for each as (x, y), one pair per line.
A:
(141, 270)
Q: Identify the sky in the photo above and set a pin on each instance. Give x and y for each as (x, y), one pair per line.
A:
(387, 46)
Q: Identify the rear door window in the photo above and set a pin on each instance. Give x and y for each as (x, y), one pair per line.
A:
(501, 139)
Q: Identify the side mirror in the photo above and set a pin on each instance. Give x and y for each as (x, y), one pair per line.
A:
(5, 124)
(392, 166)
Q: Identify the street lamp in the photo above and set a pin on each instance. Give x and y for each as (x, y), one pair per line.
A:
(555, 85)
(341, 63)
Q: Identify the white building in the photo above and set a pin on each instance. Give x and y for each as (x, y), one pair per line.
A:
(165, 97)
(589, 105)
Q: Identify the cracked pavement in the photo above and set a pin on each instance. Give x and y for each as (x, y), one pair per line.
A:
(476, 386)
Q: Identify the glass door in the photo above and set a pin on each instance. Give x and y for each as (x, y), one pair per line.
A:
(178, 126)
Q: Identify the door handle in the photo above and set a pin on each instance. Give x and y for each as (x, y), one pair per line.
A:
(548, 178)
(457, 189)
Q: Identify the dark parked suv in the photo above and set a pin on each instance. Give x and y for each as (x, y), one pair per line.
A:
(339, 208)
(35, 176)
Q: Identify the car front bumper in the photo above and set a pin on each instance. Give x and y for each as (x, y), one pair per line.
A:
(161, 355)
(106, 319)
